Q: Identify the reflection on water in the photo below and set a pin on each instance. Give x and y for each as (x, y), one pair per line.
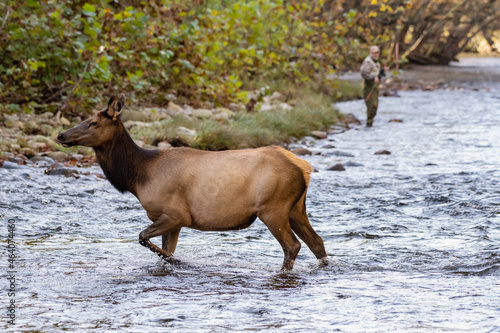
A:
(414, 240)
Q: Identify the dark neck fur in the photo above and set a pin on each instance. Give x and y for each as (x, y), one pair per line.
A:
(123, 162)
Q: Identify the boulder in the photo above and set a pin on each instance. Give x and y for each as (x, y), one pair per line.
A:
(186, 132)
(64, 122)
(301, 151)
(46, 129)
(140, 143)
(319, 134)
(351, 119)
(201, 113)
(11, 165)
(353, 164)
(336, 167)
(132, 115)
(221, 116)
(340, 153)
(140, 124)
(57, 169)
(31, 127)
(28, 152)
(38, 145)
(277, 96)
(265, 107)
(155, 114)
(164, 145)
(174, 109)
(58, 156)
(42, 160)
(228, 112)
(76, 157)
(285, 106)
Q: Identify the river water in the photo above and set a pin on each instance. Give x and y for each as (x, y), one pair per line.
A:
(413, 239)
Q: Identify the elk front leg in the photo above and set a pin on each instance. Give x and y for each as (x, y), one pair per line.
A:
(279, 226)
(168, 226)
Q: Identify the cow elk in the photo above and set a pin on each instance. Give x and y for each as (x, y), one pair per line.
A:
(208, 191)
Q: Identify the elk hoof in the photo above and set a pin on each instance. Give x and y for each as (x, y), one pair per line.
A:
(172, 260)
(323, 262)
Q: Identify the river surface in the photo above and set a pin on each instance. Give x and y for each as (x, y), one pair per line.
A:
(413, 239)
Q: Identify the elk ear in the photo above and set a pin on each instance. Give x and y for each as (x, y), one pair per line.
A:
(115, 106)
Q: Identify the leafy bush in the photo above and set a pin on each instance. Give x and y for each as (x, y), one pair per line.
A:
(66, 55)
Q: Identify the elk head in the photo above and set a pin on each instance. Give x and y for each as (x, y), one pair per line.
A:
(98, 129)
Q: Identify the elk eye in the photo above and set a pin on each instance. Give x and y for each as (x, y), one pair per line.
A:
(93, 123)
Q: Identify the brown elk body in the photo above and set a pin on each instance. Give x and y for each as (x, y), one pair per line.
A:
(209, 191)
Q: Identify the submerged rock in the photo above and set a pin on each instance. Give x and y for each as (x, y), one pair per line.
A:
(336, 167)
(42, 160)
(383, 152)
(11, 165)
(353, 164)
(57, 169)
(301, 151)
(351, 119)
(340, 153)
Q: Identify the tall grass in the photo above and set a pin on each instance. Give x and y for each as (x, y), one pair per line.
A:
(311, 111)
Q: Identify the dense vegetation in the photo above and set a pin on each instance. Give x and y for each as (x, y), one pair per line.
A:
(67, 55)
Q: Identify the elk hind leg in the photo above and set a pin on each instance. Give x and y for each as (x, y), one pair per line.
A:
(299, 222)
(169, 243)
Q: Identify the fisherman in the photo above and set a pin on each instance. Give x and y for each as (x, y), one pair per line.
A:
(372, 73)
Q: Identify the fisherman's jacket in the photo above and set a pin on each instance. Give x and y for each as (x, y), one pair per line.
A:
(370, 69)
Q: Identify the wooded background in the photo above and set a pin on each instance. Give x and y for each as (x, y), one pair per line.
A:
(68, 56)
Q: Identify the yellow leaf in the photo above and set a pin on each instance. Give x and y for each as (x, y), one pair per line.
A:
(374, 2)
(372, 14)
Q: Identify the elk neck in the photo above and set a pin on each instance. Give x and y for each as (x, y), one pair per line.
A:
(124, 163)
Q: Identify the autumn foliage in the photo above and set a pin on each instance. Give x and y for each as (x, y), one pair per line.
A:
(66, 56)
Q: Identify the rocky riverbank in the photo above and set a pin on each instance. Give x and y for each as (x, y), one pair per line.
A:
(29, 139)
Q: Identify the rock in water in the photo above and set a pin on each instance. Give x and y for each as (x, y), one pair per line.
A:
(351, 119)
(383, 152)
(336, 167)
(340, 153)
(353, 164)
(319, 134)
(301, 151)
